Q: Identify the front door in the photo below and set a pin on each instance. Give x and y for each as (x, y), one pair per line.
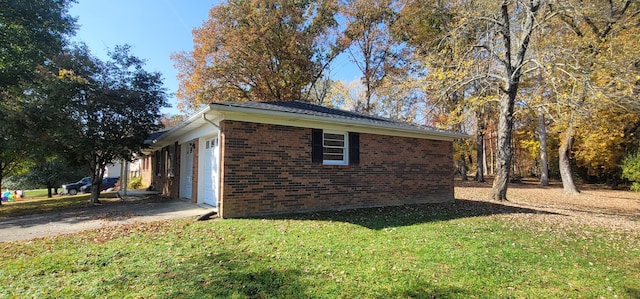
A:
(187, 170)
(210, 184)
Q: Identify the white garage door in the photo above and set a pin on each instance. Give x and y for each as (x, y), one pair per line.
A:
(210, 171)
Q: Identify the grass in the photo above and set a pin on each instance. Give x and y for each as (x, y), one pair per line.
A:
(469, 249)
(36, 202)
(35, 193)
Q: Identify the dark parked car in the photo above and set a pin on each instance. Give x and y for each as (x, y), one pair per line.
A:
(107, 183)
(74, 188)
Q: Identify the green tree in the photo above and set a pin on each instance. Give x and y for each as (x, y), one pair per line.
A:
(51, 173)
(631, 170)
(13, 150)
(105, 109)
(31, 33)
(271, 50)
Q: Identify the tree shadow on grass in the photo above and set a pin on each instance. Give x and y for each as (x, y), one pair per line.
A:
(633, 292)
(406, 215)
(231, 275)
(221, 275)
(225, 276)
(430, 290)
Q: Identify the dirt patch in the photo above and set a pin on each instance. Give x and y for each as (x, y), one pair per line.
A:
(596, 205)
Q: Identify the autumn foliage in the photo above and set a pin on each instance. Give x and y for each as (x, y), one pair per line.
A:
(548, 87)
(257, 50)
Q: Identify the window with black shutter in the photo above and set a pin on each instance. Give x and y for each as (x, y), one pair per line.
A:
(335, 148)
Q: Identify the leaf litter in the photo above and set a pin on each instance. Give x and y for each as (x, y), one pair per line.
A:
(611, 214)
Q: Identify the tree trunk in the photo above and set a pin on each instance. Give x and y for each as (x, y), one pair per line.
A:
(505, 127)
(564, 153)
(544, 159)
(514, 61)
(492, 154)
(95, 194)
(96, 182)
(463, 167)
(49, 193)
(480, 131)
(485, 167)
(480, 160)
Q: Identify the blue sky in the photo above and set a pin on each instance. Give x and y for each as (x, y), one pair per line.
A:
(155, 29)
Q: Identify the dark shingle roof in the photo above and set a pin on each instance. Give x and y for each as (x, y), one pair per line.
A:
(298, 107)
(154, 136)
(302, 108)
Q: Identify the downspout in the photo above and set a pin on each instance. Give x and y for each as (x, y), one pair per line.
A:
(204, 117)
(218, 196)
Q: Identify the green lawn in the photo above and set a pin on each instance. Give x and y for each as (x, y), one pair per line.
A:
(37, 202)
(462, 250)
(37, 194)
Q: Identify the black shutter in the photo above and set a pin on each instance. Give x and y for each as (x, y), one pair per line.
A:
(354, 148)
(316, 146)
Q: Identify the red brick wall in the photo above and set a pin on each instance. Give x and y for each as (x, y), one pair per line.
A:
(163, 182)
(267, 169)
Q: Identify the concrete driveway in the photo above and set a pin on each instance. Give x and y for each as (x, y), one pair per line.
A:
(136, 207)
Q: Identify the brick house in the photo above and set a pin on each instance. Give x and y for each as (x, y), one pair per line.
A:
(260, 158)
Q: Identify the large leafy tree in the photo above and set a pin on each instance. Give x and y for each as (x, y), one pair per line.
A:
(459, 82)
(105, 109)
(511, 25)
(257, 50)
(13, 150)
(31, 32)
(50, 172)
(604, 140)
(371, 47)
(593, 68)
(471, 50)
(574, 63)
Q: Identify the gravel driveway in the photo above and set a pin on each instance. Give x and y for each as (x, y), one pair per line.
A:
(139, 207)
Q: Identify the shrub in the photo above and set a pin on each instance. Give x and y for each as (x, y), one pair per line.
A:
(135, 183)
(631, 170)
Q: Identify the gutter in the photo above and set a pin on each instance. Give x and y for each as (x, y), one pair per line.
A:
(334, 120)
(180, 126)
(204, 117)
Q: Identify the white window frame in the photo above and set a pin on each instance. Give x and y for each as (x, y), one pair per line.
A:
(345, 153)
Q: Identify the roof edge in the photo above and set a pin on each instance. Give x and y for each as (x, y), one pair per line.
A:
(435, 132)
(180, 126)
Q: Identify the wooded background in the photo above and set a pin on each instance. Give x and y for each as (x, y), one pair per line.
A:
(547, 89)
